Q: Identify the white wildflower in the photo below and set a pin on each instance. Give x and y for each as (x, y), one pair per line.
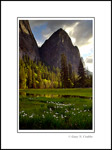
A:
(31, 116)
(56, 113)
(50, 109)
(43, 116)
(62, 116)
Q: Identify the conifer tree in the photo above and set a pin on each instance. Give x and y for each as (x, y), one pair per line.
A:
(81, 73)
(29, 78)
(33, 79)
(22, 78)
(70, 71)
(64, 71)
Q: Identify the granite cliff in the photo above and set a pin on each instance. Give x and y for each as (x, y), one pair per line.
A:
(27, 42)
(59, 43)
(50, 52)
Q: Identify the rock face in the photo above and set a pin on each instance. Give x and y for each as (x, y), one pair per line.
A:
(59, 43)
(27, 43)
(50, 52)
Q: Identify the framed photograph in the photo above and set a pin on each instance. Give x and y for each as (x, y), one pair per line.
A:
(56, 74)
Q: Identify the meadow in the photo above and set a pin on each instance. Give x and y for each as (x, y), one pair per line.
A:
(55, 109)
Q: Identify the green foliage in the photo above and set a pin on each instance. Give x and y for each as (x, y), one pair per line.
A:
(38, 75)
(33, 79)
(88, 81)
(29, 78)
(22, 76)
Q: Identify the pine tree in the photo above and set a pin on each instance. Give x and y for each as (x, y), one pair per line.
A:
(22, 78)
(39, 75)
(64, 71)
(33, 79)
(29, 78)
(58, 75)
(39, 78)
(70, 71)
(70, 76)
(74, 79)
(81, 73)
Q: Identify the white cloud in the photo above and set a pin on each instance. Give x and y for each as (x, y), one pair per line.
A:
(46, 36)
(89, 66)
(89, 62)
(86, 51)
(73, 40)
(39, 43)
(90, 40)
(70, 30)
(89, 59)
(46, 33)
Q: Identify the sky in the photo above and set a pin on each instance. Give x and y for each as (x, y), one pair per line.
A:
(80, 32)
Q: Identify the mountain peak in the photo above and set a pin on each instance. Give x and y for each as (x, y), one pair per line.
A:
(60, 35)
(61, 31)
(59, 43)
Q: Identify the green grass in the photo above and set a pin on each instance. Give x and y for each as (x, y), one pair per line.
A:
(77, 91)
(37, 112)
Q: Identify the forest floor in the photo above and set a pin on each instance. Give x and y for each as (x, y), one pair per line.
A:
(55, 109)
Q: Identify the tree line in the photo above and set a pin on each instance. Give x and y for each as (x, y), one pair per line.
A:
(34, 74)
